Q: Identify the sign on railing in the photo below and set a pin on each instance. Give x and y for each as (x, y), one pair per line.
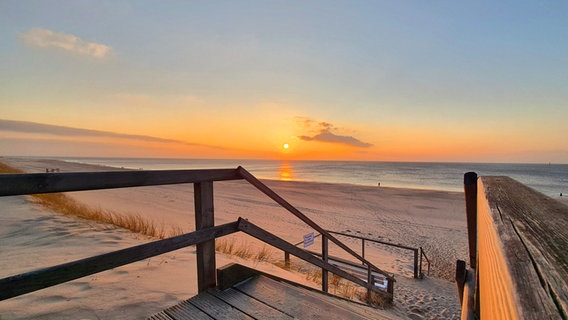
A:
(308, 239)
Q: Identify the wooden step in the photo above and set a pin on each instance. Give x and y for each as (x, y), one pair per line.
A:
(357, 308)
(261, 297)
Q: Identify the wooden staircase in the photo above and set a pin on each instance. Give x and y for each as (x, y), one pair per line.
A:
(264, 297)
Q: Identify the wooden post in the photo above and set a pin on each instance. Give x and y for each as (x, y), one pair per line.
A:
(461, 274)
(324, 273)
(363, 249)
(390, 288)
(286, 259)
(370, 283)
(205, 218)
(416, 264)
(470, 189)
(421, 275)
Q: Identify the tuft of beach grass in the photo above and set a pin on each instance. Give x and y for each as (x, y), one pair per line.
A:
(61, 203)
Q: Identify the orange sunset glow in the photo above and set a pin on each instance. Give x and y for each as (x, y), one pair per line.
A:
(168, 86)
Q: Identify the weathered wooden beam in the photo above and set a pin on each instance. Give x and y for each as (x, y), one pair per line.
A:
(470, 191)
(204, 219)
(267, 237)
(324, 273)
(416, 267)
(460, 277)
(32, 281)
(373, 240)
(522, 255)
(18, 184)
(468, 291)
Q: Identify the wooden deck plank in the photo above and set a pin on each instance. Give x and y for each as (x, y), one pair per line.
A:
(217, 308)
(160, 316)
(522, 256)
(293, 301)
(358, 309)
(249, 305)
(185, 311)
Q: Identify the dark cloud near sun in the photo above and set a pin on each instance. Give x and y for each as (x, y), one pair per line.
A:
(40, 128)
(327, 132)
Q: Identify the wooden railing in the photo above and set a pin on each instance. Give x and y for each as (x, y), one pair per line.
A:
(204, 236)
(518, 242)
(418, 253)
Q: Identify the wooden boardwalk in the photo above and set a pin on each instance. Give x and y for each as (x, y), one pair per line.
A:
(261, 297)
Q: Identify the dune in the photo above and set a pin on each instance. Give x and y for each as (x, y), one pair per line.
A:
(33, 237)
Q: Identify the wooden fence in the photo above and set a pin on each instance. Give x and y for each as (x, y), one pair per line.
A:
(204, 236)
(418, 253)
(518, 242)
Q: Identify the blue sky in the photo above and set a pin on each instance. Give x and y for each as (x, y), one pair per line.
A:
(380, 80)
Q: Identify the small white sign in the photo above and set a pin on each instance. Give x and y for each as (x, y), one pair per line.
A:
(308, 239)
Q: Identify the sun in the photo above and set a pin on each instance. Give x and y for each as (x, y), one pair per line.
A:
(285, 146)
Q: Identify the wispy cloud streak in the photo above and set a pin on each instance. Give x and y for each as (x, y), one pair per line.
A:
(39, 128)
(45, 38)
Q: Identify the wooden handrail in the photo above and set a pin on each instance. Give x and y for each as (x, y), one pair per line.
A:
(416, 251)
(519, 265)
(278, 199)
(203, 237)
(32, 183)
(265, 236)
(423, 254)
(373, 240)
(32, 281)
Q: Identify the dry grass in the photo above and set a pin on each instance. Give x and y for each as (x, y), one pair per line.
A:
(225, 246)
(343, 288)
(336, 285)
(61, 203)
(244, 250)
(265, 254)
(374, 299)
(314, 275)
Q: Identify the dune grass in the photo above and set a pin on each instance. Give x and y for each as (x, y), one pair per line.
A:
(244, 250)
(62, 203)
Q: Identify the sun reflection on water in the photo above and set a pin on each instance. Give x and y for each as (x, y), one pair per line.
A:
(286, 172)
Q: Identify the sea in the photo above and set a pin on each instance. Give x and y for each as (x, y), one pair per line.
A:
(550, 179)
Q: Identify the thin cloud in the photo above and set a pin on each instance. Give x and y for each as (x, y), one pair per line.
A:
(40, 128)
(45, 38)
(325, 134)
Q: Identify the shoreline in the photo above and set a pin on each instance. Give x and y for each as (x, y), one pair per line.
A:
(30, 165)
(444, 176)
(434, 220)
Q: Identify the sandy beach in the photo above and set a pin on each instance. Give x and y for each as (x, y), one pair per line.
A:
(33, 237)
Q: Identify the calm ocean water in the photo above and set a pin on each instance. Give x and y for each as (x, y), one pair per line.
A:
(550, 179)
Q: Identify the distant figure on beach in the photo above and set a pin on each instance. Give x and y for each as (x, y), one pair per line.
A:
(561, 194)
(379, 184)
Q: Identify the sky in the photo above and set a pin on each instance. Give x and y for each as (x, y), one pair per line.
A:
(455, 81)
